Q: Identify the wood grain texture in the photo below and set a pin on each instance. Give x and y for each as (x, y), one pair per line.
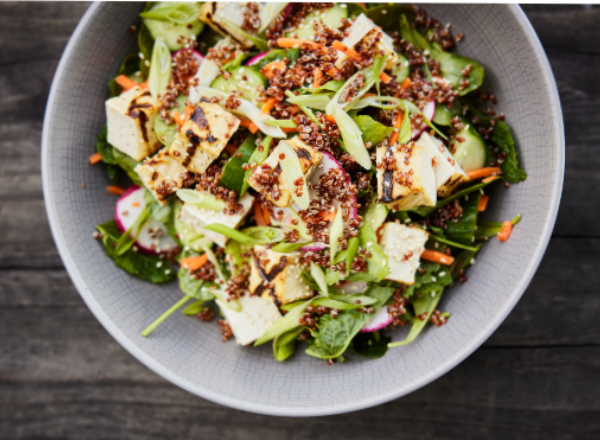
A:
(63, 376)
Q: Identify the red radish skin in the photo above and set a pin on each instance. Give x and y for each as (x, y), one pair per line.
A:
(256, 58)
(428, 112)
(198, 57)
(380, 319)
(287, 11)
(154, 237)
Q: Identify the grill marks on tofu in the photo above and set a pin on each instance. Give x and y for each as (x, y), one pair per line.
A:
(268, 178)
(163, 175)
(405, 176)
(276, 277)
(130, 122)
(203, 137)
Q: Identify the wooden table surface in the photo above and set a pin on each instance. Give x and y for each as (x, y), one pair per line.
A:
(63, 376)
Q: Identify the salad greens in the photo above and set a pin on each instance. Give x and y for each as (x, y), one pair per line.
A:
(299, 199)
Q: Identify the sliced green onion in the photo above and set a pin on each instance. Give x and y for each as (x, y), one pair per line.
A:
(194, 308)
(180, 14)
(292, 171)
(373, 102)
(455, 244)
(287, 323)
(337, 231)
(412, 108)
(318, 102)
(259, 157)
(376, 214)
(160, 68)
(317, 273)
(229, 232)
(308, 112)
(130, 235)
(284, 123)
(335, 304)
(268, 13)
(165, 315)
(352, 137)
(378, 66)
(285, 248)
(264, 234)
(369, 76)
(352, 251)
(300, 226)
(405, 129)
(201, 200)
(363, 300)
(260, 43)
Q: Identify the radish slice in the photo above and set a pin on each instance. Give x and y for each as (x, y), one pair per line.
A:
(379, 320)
(352, 287)
(428, 112)
(256, 58)
(154, 237)
(197, 56)
(287, 11)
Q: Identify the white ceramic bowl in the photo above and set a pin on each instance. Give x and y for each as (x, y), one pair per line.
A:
(191, 354)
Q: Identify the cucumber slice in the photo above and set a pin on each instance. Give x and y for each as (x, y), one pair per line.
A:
(166, 133)
(172, 31)
(470, 154)
(331, 17)
(237, 82)
(401, 69)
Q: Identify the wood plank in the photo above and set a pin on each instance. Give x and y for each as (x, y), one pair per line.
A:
(497, 393)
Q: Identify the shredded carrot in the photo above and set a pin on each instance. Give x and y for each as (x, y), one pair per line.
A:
(437, 257)
(125, 82)
(506, 230)
(483, 201)
(177, 118)
(330, 118)
(385, 77)
(330, 215)
(247, 123)
(333, 72)
(397, 124)
(348, 51)
(259, 214)
(194, 263)
(484, 172)
(406, 84)
(364, 5)
(267, 216)
(289, 129)
(115, 190)
(489, 179)
(293, 109)
(135, 204)
(268, 105)
(95, 158)
(270, 69)
(297, 42)
(318, 75)
(145, 85)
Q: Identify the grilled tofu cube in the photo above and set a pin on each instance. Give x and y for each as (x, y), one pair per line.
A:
(448, 173)
(256, 317)
(405, 177)
(130, 123)
(276, 277)
(361, 27)
(403, 246)
(278, 192)
(163, 176)
(202, 138)
(227, 18)
(197, 217)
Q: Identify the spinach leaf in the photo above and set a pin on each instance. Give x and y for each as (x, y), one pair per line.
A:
(277, 55)
(233, 176)
(129, 66)
(193, 287)
(372, 131)
(426, 304)
(127, 164)
(194, 308)
(490, 229)
(443, 114)
(372, 345)
(426, 210)
(386, 15)
(461, 261)
(411, 35)
(451, 67)
(145, 44)
(434, 279)
(147, 267)
(463, 230)
(158, 212)
(502, 138)
(284, 345)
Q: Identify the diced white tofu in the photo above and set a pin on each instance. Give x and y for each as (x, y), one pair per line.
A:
(222, 15)
(256, 317)
(202, 138)
(403, 246)
(279, 193)
(360, 28)
(411, 182)
(163, 176)
(130, 123)
(197, 217)
(448, 173)
(276, 276)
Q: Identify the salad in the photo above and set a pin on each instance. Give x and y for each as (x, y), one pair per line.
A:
(308, 172)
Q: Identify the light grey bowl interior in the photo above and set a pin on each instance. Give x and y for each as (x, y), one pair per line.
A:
(190, 353)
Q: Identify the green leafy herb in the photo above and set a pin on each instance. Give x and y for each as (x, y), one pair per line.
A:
(452, 66)
(259, 157)
(377, 265)
(372, 345)
(372, 131)
(193, 287)
(490, 229)
(463, 230)
(503, 140)
(129, 66)
(145, 44)
(233, 176)
(425, 211)
(426, 304)
(147, 267)
(125, 241)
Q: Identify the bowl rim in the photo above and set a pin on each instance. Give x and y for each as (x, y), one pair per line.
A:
(458, 357)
